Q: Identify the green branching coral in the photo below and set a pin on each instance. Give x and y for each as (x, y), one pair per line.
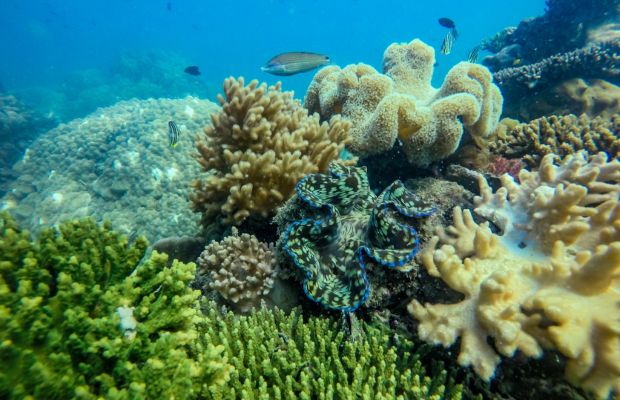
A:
(279, 356)
(81, 316)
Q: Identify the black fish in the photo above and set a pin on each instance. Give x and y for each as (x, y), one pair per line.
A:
(451, 36)
(192, 70)
(446, 22)
(173, 134)
(293, 63)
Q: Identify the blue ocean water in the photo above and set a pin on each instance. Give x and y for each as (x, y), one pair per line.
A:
(45, 41)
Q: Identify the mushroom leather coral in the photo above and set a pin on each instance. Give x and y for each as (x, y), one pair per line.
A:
(261, 143)
(549, 279)
(402, 104)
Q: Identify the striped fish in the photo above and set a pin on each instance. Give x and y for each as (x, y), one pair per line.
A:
(173, 133)
(472, 57)
(286, 64)
(448, 41)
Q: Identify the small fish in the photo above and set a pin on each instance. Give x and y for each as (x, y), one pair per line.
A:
(169, 6)
(451, 36)
(472, 57)
(516, 62)
(192, 70)
(286, 64)
(173, 134)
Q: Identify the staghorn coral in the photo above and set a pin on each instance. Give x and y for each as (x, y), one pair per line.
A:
(240, 268)
(402, 104)
(280, 356)
(347, 229)
(548, 279)
(260, 145)
(558, 135)
(82, 317)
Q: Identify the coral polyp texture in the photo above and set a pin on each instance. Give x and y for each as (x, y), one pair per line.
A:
(402, 104)
(240, 268)
(261, 143)
(115, 164)
(347, 229)
(550, 279)
(560, 135)
(280, 356)
(82, 317)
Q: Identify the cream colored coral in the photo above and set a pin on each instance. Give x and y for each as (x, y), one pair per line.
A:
(401, 103)
(549, 279)
(561, 135)
(240, 268)
(260, 145)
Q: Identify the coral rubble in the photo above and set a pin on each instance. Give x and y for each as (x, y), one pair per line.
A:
(547, 280)
(347, 229)
(115, 164)
(261, 143)
(402, 104)
(557, 135)
(82, 317)
(240, 268)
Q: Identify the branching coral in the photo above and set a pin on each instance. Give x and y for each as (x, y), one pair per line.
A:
(549, 279)
(240, 268)
(260, 145)
(278, 356)
(80, 317)
(558, 135)
(403, 104)
(347, 229)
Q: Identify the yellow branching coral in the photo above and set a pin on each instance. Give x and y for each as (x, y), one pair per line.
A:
(261, 143)
(403, 104)
(561, 135)
(240, 268)
(549, 279)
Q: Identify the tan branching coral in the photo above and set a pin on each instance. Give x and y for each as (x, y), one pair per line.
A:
(240, 268)
(562, 135)
(401, 103)
(549, 279)
(261, 143)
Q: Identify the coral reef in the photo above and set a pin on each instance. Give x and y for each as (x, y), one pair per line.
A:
(547, 280)
(565, 26)
(115, 164)
(402, 104)
(240, 268)
(278, 356)
(261, 143)
(600, 60)
(82, 317)
(557, 135)
(19, 127)
(346, 230)
(594, 97)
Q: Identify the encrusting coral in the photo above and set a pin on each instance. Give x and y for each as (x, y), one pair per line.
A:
(402, 104)
(548, 279)
(279, 356)
(560, 135)
(240, 268)
(82, 317)
(261, 143)
(345, 230)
